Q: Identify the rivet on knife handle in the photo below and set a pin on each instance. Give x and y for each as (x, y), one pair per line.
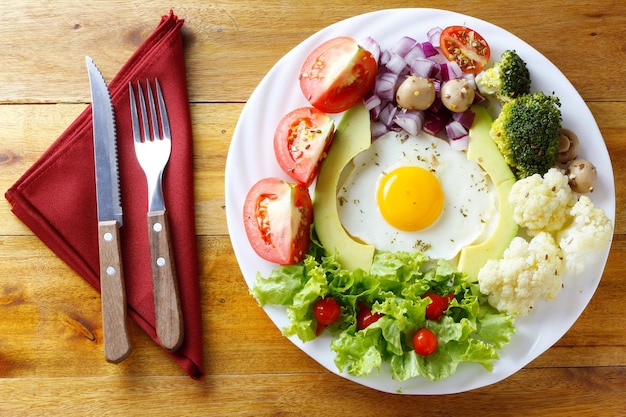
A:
(116, 342)
(168, 316)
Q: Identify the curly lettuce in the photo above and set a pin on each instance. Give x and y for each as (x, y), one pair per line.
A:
(470, 330)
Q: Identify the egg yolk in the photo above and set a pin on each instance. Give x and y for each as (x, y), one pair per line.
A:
(410, 198)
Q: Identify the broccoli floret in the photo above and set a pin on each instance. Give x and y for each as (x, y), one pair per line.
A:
(527, 133)
(506, 79)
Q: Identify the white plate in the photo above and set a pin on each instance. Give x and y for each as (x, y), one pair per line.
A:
(251, 157)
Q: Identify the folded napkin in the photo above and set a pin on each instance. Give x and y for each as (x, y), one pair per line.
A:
(56, 197)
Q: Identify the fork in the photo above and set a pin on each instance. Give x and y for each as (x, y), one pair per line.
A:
(153, 150)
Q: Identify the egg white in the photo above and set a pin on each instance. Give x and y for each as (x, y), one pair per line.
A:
(470, 201)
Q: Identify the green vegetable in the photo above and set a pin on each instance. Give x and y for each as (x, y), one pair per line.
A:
(506, 79)
(527, 133)
(470, 330)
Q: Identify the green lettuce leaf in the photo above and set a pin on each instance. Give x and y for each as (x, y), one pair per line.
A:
(470, 330)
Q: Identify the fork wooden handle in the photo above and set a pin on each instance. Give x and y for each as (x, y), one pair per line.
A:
(167, 308)
(116, 342)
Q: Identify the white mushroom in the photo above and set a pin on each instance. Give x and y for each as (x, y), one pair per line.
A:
(568, 147)
(457, 95)
(415, 93)
(582, 175)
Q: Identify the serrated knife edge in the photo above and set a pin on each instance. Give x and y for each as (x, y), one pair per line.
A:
(105, 148)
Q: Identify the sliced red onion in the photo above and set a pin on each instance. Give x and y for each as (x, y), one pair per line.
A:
(423, 59)
(455, 130)
(433, 35)
(422, 67)
(410, 121)
(385, 86)
(378, 129)
(460, 144)
(372, 101)
(395, 64)
(451, 71)
(403, 46)
(466, 118)
(433, 123)
(369, 44)
(429, 49)
(478, 98)
(384, 57)
(387, 114)
(414, 53)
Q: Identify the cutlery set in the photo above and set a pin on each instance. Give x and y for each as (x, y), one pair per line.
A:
(153, 144)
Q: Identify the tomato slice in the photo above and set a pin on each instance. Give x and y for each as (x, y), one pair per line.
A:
(465, 46)
(301, 141)
(277, 218)
(425, 342)
(337, 74)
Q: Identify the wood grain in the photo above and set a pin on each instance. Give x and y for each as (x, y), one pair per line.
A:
(51, 337)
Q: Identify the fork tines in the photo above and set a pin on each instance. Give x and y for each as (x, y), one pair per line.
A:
(152, 119)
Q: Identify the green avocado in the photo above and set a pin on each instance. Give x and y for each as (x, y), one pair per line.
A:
(483, 150)
(352, 136)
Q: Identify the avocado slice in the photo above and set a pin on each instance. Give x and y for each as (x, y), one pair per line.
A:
(483, 150)
(352, 136)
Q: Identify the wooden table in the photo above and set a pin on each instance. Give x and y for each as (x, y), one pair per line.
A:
(51, 352)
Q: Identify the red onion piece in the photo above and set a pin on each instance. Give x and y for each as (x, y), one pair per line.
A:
(455, 130)
(433, 35)
(387, 114)
(403, 46)
(410, 121)
(466, 118)
(422, 67)
(395, 64)
(429, 49)
(433, 123)
(378, 129)
(385, 86)
(369, 44)
(460, 144)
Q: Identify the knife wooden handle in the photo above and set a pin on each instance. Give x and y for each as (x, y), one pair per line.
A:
(167, 308)
(116, 342)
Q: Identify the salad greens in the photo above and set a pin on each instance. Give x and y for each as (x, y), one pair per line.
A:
(469, 331)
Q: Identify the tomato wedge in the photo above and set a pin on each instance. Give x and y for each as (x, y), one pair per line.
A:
(277, 218)
(337, 74)
(465, 46)
(301, 141)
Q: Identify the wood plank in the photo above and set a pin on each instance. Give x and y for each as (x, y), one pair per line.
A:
(580, 392)
(53, 71)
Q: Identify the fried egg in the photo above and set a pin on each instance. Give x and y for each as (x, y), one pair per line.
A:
(408, 193)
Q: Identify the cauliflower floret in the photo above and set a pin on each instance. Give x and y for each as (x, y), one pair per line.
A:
(541, 204)
(526, 272)
(589, 232)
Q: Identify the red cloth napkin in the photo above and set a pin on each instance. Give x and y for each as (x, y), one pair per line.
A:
(56, 197)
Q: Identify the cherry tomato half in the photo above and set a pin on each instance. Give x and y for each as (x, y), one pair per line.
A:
(337, 74)
(326, 311)
(425, 342)
(301, 141)
(365, 316)
(277, 218)
(465, 46)
(438, 304)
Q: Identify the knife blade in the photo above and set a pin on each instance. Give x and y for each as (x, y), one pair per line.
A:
(110, 218)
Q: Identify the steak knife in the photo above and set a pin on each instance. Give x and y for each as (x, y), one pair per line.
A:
(116, 341)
